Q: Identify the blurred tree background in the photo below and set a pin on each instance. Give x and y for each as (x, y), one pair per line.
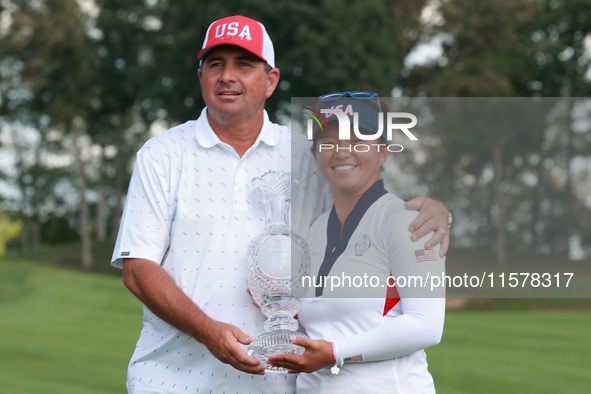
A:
(83, 83)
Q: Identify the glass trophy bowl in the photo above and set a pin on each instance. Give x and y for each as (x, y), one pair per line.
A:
(277, 260)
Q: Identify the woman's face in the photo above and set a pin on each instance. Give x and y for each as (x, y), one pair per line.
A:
(349, 166)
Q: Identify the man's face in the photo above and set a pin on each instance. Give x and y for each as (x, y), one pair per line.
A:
(235, 82)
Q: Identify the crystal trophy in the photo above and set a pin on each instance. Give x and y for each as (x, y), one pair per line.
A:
(277, 260)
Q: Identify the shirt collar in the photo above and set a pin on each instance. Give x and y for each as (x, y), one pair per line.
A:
(207, 138)
(336, 243)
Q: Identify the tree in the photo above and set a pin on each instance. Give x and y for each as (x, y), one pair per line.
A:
(357, 45)
(478, 50)
(520, 49)
(47, 41)
(556, 65)
(121, 38)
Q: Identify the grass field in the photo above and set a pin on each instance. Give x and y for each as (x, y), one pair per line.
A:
(63, 331)
(513, 352)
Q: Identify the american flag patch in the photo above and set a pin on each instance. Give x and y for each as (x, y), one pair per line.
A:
(424, 255)
(357, 358)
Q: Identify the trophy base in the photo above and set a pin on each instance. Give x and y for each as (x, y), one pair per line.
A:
(272, 343)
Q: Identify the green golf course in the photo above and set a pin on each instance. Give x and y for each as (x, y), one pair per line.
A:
(64, 331)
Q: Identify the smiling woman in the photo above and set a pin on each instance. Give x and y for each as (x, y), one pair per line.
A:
(349, 166)
(372, 332)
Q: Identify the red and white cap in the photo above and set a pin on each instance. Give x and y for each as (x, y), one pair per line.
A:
(240, 31)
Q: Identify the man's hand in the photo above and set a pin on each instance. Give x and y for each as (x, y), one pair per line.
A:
(156, 289)
(223, 340)
(433, 216)
(318, 355)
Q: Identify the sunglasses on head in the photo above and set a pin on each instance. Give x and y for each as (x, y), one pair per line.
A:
(358, 95)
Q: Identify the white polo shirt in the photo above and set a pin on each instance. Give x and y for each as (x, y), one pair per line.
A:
(379, 331)
(191, 209)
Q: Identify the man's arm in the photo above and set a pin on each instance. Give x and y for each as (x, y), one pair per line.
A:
(433, 216)
(152, 285)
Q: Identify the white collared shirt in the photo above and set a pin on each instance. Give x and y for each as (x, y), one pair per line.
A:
(191, 209)
(365, 319)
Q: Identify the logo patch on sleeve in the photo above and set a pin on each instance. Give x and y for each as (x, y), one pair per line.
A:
(357, 358)
(125, 253)
(424, 255)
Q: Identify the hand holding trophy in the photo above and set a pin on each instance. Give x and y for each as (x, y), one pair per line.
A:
(277, 261)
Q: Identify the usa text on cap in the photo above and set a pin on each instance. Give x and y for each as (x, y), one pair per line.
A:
(240, 31)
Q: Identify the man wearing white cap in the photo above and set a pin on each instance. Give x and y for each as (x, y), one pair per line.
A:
(190, 214)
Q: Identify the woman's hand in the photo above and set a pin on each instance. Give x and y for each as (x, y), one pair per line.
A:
(253, 301)
(318, 355)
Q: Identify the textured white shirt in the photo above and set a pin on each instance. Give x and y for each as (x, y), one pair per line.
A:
(191, 209)
(366, 320)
